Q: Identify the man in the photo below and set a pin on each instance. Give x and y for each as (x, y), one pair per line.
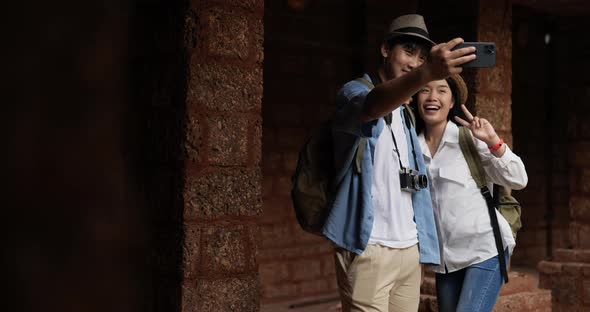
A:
(380, 213)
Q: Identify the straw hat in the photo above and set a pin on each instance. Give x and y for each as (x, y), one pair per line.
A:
(461, 88)
(409, 25)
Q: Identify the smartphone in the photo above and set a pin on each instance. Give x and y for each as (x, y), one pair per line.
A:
(485, 53)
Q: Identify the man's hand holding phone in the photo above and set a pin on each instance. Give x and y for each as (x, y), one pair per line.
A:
(485, 53)
(444, 60)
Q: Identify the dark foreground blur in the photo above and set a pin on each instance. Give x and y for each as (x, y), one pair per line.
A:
(80, 91)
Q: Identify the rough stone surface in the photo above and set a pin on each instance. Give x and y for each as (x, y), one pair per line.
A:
(226, 250)
(565, 290)
(537, 301)
(224, 192)
(255, 142)
(579, 234)
(496, 109)
(224, 295)
(194, 140)
(313, 287)
(305, 269)
(565, 255)
(220, 87)
(277, 292)
(191, 250)
(228, 140)
(495, 79)
(548, 267)
(229, 34)
(273, 273)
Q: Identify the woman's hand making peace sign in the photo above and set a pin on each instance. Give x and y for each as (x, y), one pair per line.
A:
(482, 129)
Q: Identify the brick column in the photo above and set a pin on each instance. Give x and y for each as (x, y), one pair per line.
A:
(493, 86)
(222, 192)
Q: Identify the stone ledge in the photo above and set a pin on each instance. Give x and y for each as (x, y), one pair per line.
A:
(572, 255)
(564, 268)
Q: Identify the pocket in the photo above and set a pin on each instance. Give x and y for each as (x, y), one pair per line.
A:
(346, 258)
(453, 175)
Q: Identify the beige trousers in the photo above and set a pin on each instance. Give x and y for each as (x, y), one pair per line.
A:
(381, 279)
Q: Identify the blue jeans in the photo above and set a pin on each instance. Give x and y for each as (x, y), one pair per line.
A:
(474, 288)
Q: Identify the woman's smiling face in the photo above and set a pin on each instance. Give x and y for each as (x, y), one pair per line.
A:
(435, 100)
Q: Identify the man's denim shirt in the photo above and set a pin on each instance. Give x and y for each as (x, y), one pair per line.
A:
(350, 221)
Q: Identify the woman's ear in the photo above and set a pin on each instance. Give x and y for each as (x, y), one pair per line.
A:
(384, 50)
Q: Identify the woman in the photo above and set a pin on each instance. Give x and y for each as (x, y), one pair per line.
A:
(468, 278)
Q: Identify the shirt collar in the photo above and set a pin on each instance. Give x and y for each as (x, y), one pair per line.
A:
(451, 135)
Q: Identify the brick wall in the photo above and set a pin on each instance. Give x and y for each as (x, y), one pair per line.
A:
(308, 57)
(222, 183)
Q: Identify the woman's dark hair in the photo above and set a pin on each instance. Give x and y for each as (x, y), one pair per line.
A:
(411, 43)
(454, 111)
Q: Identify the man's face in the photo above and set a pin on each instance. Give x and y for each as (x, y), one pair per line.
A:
(400, 60)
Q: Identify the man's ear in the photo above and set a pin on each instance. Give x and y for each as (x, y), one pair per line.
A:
(452, 103)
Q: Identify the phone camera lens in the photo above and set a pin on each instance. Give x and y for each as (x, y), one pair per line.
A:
(489, 49)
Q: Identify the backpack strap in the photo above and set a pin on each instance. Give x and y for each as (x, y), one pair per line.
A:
(366, 82)
(410, 116)
(473, 159)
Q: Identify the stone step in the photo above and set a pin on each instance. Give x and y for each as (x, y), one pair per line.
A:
(567, 276)
(538, 300)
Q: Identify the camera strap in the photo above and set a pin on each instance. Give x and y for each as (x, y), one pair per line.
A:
(396, 149)
(388, 119)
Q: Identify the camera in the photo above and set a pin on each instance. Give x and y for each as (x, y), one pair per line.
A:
(411, 180)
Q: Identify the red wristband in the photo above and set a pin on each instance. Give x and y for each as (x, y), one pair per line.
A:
(496, 147)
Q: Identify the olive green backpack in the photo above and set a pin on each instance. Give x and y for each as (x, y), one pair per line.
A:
(502, 199)
(314, 179)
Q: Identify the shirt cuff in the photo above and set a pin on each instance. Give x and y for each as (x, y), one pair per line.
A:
(505, 159)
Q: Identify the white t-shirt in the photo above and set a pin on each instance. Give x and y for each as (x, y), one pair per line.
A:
(393, 224)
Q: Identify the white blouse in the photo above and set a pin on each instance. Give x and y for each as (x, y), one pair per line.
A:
(459, 207)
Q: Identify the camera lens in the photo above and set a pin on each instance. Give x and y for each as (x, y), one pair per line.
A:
(422, 181)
